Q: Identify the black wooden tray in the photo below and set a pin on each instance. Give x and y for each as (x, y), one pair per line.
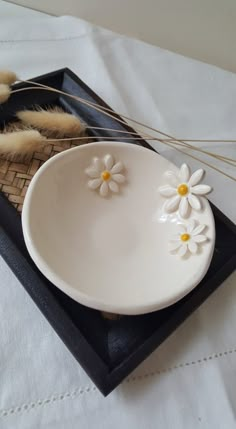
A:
(108, 350)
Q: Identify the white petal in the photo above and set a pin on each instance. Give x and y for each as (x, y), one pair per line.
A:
(117, 168)
(104, 189)
(172, 204)
(167, 191)
(196, 177)
(95, 183)
(98, 164)
(200, 189)
(171, 177)
(184, 173)
(119, 178)
(199, 238)
(92, 172)
(174, 246)
(182, 250)
(113, 186)
(194, 202)
(191, 226)
(184, 207)
(108, 161)
(198, 229)
(192, 246)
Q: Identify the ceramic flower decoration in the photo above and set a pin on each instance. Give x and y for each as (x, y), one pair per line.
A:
(183, 191)
(105, 175)
(188, 238)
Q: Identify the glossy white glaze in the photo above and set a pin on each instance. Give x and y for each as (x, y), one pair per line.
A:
(111, 253)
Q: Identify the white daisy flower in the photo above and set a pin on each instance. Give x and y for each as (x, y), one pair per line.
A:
(105, 175)
(188, 238)
(183, 191)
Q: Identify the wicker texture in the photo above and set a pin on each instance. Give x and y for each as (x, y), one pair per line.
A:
(15, 176)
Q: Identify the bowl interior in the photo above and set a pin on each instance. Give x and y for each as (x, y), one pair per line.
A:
(110, 253)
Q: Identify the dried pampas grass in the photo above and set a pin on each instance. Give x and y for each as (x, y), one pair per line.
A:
(52, 122)
(20, 144)
(5, 92)
(63, 126)
(12, 127)
(19, 140)
(7, 77)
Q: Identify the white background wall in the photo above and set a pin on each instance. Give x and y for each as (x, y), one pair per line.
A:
(202, 29)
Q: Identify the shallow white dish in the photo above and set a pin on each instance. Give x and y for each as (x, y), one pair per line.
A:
(112, 252)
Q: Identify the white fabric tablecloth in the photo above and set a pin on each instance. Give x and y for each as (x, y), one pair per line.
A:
(189, 382)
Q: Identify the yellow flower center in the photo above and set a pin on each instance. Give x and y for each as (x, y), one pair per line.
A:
(106, 175)
(182, 189)
(185, 237)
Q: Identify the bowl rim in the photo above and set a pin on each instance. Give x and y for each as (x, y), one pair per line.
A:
(68, 289)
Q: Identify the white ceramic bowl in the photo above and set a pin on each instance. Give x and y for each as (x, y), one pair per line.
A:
(111, 253)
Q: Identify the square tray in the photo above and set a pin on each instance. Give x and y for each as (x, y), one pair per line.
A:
(108, 350)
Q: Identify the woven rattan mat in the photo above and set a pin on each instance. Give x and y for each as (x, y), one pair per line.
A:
(15, 176)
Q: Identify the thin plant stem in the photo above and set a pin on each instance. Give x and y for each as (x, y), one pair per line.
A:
(215, 155)
(207, 140)
(141, 137)
(99, 107)
(102, 110)
(91, 103)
